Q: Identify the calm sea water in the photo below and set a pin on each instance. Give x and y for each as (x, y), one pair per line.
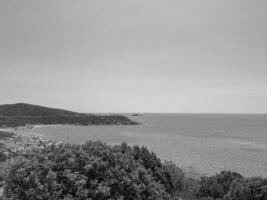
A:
(205, 143)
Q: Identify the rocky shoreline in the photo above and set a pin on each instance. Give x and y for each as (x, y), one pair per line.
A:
(14, 143)
(20, 143)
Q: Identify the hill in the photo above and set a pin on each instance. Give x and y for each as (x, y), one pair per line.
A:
(23, 109)
(21, 114)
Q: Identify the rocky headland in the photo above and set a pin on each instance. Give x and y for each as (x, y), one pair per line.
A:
(22, 114)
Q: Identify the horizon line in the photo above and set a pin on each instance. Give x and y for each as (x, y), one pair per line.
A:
(138, 112)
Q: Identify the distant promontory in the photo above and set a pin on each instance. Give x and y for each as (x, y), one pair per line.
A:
(21, 114)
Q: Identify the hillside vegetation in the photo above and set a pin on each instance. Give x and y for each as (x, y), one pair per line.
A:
(21, 114)
(97, 171)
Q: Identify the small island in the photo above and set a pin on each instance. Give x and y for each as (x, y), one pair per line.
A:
(136, 115)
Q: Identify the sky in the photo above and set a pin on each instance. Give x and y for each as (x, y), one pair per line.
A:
(178, 56)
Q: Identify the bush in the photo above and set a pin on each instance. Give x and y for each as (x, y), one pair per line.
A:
(171, 177)
(217, 186)
(246, 189)
(96, 171)
(91, 171)
(232, 186)
(167, 173)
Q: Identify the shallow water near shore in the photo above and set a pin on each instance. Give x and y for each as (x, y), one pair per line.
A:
(205, 143)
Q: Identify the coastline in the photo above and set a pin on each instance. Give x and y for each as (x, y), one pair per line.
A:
(19, 143)
(188, 151)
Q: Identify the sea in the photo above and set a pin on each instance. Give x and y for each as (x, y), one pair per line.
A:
(201, 143)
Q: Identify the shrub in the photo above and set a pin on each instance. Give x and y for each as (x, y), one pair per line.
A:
(217, 186)
(91, 171)
(96, 171)
(246, 189)
(167, 173)
(171, 177)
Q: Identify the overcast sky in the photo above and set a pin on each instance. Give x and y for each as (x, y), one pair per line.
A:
(207, 56)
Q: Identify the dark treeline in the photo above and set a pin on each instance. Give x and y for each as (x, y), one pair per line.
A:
(97, 171)
(85, 119)
(21, 114)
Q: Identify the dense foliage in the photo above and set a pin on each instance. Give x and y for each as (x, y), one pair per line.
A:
(232, 186)
(96, 171)
(21, 114)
